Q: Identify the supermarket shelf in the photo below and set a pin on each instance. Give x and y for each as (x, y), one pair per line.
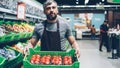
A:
(13, 36)
(15, 13)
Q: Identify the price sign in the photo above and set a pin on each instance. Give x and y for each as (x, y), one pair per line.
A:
(21, 10)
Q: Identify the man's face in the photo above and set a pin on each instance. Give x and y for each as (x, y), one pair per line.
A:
(105, 23)
(51, 11)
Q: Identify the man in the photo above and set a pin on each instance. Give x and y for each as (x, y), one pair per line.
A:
(103, 36)
(54, 31)
(93, 31)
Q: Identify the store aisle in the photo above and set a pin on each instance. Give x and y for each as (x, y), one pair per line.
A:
(92, 58)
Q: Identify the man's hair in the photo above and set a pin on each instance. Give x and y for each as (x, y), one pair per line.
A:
(48, 2)
(105, 21)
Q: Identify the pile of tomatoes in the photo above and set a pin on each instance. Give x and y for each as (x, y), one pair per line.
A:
(48, 59)
(67, 60)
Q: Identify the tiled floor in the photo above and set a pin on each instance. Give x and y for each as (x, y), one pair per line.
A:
(92, 58)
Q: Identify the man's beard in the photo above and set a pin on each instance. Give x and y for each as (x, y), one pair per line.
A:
(49, 17)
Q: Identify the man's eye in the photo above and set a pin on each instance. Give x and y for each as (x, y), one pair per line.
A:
(48, 8)
(53, 7)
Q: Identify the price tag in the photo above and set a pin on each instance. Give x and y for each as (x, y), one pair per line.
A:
(21, 10)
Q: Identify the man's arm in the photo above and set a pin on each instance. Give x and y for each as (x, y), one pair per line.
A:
(31, 44)
(74, 44)
(33, 41)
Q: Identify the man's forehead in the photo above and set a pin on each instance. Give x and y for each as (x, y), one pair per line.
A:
(52, 4)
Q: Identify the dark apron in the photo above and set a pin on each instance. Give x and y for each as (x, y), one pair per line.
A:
(50, 41)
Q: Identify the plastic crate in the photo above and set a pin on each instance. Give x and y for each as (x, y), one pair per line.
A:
(17, 36)
(2, 39)
(8, 37)
(2, 61)
(31, 34)
(26, 35)
(22, 35)
(27, 64)
(11, 63)
(37, 48)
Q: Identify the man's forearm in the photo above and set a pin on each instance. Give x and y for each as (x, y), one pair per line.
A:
(33, 42)
(75, 45)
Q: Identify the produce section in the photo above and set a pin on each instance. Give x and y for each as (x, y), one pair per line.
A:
(11, 31)
(51, 59)
(10, 58)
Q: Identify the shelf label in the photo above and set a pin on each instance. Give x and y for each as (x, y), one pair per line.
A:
(21, 10)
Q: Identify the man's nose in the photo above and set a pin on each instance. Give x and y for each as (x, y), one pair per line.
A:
(51, 9)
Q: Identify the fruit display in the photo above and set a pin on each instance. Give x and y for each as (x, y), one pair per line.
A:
(10, 31)
(51, 60)
(9, 57)
(2, 31)
(15, 27)
(20, 46)
(7, 53)
(23, 27)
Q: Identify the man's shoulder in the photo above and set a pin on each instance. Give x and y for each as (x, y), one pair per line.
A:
(61, 19)
(39, 25)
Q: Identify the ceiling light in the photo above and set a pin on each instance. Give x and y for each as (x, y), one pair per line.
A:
(77, 2)
(103, 0)
(86, 1)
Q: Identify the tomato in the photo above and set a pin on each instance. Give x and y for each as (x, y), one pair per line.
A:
(37, 59)
(47, 62)
(47, 57)
(33, 56)
(43, 61)
(60, 58)
(70, 62)
(37, 56)
(36, 62)
(60, 62)
(56, 62)
(32, 61)
(66, 62)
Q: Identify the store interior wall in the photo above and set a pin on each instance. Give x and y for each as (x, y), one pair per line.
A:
(97, 19)
(71, 19)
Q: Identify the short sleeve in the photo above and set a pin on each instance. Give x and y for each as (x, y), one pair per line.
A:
(68, 30)
(38, 31)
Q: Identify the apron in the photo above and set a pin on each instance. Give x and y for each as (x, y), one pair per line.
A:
(50, 41)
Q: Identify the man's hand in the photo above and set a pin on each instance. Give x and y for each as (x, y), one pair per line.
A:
(77, 53)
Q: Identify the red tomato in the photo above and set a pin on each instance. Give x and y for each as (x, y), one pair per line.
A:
(70, 62)
(66, 62)
(37, 56)
(33, 56)
(47, 62)
(37, 59)
(60, 62)
(31, 61)
(56, 62)
(36, 62)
